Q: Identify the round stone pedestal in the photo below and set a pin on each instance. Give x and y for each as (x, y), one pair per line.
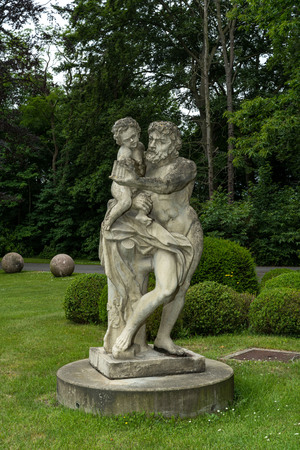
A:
(80, 386)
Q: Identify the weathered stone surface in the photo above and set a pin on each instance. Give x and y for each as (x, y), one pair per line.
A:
(149, 363)
(80, 386)
(12, 263)
(62, 265)
(130, 155)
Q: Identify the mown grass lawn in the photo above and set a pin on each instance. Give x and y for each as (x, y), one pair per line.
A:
(36, 340)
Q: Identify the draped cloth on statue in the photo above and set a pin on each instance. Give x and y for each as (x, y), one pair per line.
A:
(147, 240)
(125, 280)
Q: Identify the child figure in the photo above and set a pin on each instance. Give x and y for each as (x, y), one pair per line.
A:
(131, 155)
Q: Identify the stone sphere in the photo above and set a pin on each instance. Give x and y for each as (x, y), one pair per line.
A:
(62, 265)
(12, 262)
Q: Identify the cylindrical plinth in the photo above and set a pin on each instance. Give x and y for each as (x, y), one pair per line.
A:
(80, 386)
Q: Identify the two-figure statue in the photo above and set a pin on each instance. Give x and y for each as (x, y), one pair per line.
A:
(149, 227)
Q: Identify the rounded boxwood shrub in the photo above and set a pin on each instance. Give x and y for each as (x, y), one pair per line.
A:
(81, 303)
(103, 305)
(276, 311)
(153, 322)
(213, 308)
(227, 263)
(272, 274)
(285, 280)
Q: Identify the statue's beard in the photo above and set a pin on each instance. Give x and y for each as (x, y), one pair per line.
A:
(153, 156)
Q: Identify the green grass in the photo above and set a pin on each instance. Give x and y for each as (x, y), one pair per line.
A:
(36, 340)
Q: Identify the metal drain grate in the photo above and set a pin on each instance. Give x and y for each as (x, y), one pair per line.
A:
(263, 354)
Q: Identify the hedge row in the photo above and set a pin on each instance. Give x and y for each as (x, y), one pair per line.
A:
(81, 303)
(226, 263)
(211, 307)
(276, 310)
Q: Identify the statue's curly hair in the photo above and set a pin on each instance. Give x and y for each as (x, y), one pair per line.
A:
(168, 129)
(122, 125)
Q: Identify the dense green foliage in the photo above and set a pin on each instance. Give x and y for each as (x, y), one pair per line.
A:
(81, 303)
(276, 311)
(285, 280)
(227, 263)
(212, 308)
(145, 59)
(266, 221)
(272, 274)
(269, 123)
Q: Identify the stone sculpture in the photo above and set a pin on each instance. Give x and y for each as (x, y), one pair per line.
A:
(167, 240)
(130, 155)
(149, 226)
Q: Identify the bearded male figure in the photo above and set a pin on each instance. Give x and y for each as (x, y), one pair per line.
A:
(170, 245)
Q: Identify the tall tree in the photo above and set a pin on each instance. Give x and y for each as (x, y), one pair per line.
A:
(269, 123)
(19, 149)
(18, 58)
(206, 64)
(228, 56)
(103, 83)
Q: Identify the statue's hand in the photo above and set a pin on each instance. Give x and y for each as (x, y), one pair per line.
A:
(142, 202)
(122, 174)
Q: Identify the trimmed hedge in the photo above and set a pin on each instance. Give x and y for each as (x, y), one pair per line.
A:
(227, 263)
(276, 311)
(153, 322)
(81, 303)
(286, 280)
(272, 274)
(103, 305)
(212, 308)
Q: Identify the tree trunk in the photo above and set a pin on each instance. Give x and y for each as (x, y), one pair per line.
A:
(201, 64)
(228, 64)
(55, 153)
(206, 65)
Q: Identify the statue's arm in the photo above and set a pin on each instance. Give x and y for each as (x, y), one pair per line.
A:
(177, 176)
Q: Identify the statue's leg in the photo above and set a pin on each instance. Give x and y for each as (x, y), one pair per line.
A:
(166, 285)
(172, 310)
(169, 317)
(122, 205)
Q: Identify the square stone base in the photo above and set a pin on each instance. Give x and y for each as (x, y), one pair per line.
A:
(146, 364)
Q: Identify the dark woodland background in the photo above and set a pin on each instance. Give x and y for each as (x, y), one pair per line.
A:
(226, 72)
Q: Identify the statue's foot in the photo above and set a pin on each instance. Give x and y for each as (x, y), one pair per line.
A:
(130, 353)
(122, 343)
(168, 346)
